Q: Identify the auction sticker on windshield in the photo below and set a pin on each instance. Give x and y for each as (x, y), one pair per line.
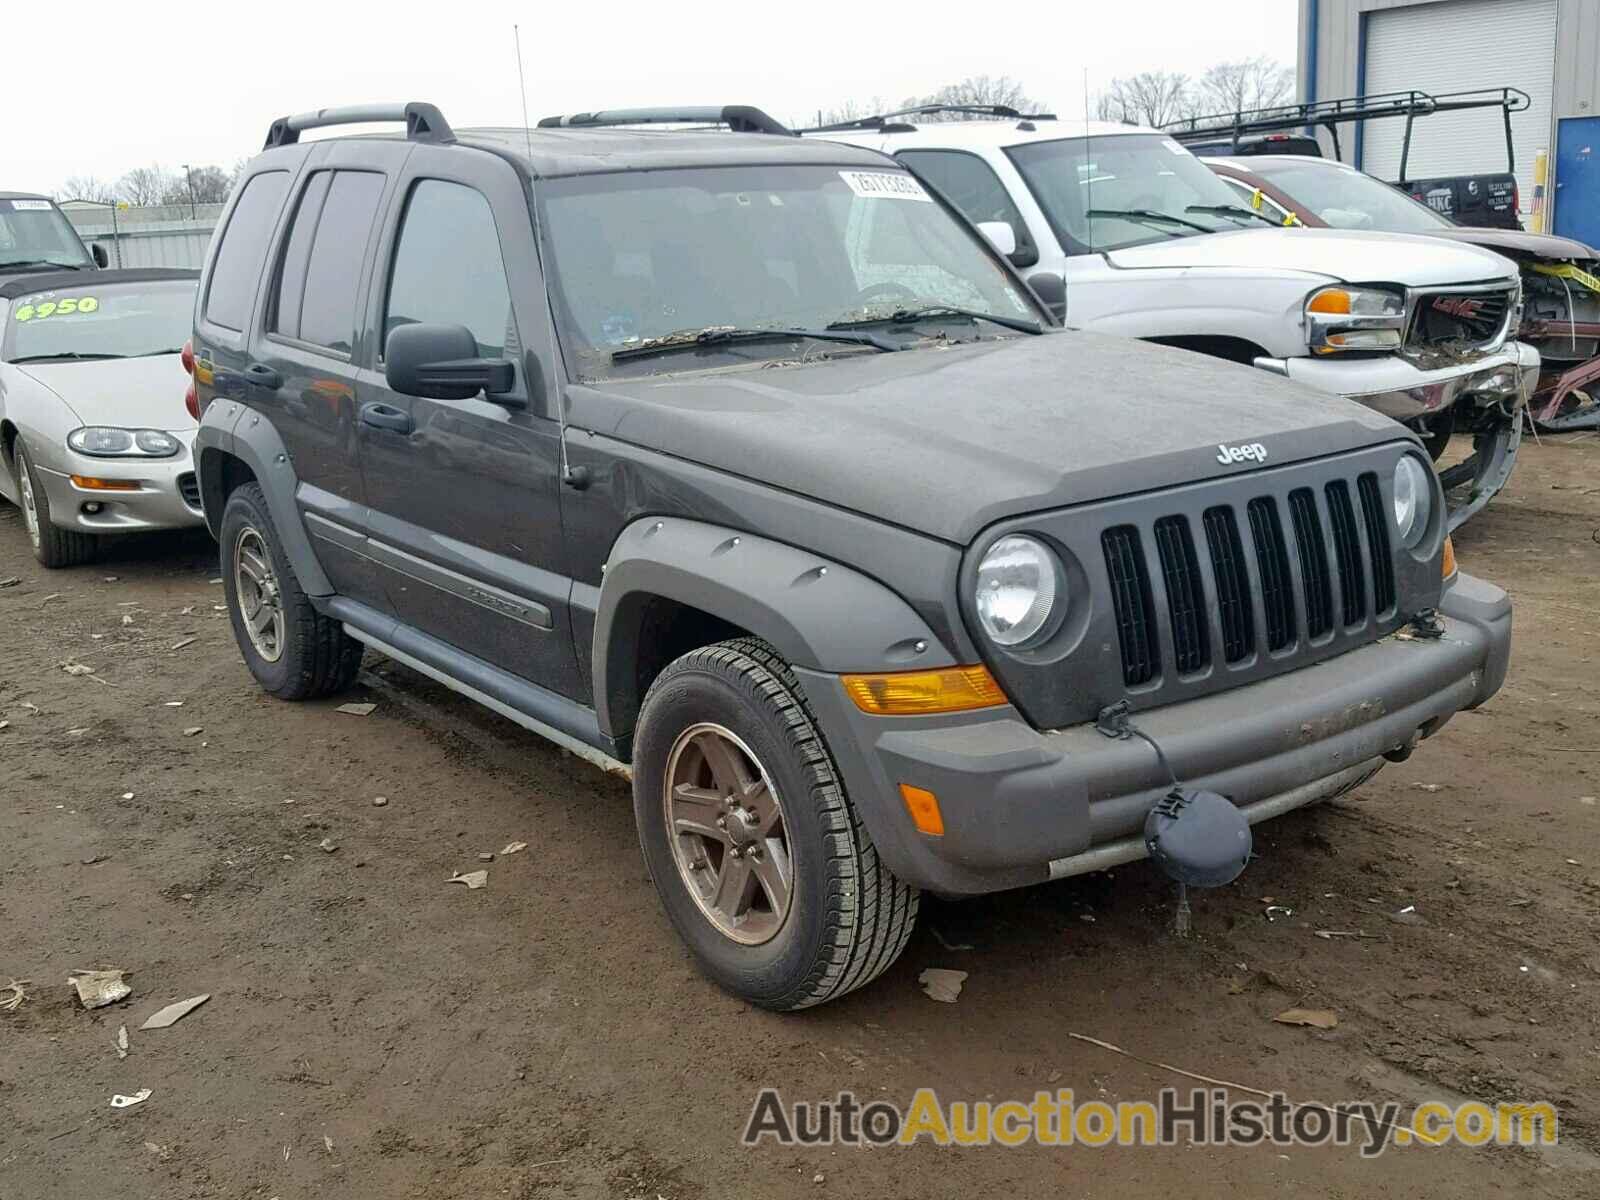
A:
(884, 185)
(27, 205)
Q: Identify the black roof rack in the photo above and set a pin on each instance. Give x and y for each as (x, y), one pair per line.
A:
(890, 121)
(741, 118)
(1330, 114)
(424, 122)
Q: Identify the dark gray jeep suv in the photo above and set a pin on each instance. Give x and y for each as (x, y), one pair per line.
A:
(744, 461)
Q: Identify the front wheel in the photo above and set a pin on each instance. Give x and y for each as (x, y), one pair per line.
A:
(758, 854)
(52, 545)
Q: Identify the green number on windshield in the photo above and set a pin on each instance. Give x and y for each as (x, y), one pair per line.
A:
(57, 308)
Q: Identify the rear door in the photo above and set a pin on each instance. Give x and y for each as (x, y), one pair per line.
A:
(306, 352)
(464, 494)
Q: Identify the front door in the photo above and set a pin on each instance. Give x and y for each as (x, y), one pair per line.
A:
(464, 494)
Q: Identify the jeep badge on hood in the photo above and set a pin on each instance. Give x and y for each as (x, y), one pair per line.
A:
(1247, 452)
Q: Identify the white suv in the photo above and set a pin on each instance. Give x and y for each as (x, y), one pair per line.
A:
(1121, 230)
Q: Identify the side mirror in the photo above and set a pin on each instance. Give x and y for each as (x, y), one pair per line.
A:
(98, 253)
(1000, 235)
(441, 362)
(1023, 257)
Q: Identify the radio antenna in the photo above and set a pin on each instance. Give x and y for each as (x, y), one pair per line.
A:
(522, 85)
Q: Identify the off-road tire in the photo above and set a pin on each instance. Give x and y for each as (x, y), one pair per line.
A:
(849, 917)
(57, 547)
(318, 658)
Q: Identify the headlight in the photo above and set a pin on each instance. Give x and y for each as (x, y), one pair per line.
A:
(1020, 589)
(1354, 318)
(103, 441)
(1413, 500)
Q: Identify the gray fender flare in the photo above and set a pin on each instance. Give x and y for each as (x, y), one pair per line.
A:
(230, 428)
(816, 613)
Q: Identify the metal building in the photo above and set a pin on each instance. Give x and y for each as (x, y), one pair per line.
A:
(174, 235)
(1548, 48)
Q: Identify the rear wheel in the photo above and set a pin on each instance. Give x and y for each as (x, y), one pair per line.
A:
(759, 856)
(52, 545)
(295, 652)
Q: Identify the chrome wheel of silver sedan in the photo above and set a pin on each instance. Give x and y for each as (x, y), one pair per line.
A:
(729, 838)
(256, 585)
(30, 509)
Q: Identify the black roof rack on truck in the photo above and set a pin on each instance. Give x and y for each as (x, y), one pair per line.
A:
(423, 122)
(890, 122)
(1330, 114)
(740, 118)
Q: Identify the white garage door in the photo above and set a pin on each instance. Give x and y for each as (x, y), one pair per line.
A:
(1452, 46)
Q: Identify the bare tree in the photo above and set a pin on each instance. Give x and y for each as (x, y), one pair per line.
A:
(1148, 98)
(211, 185)
(144, 186)
(87, 187)
(978, 90)
(1249, 83)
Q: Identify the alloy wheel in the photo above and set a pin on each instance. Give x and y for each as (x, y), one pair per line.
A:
(256, 587)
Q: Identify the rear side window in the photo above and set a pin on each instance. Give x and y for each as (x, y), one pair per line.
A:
(315, 300)
(448, 267)
(237, 268)
(971, 185)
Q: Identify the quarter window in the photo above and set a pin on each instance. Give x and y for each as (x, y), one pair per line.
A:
(448, 267)
(316, 296)
(237, 268)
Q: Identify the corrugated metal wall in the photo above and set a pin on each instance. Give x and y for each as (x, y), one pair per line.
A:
(1336, 36)
(148, 237)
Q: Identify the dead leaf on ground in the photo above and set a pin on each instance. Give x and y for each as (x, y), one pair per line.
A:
(473, 879)
(96, 989)
(513, 848)
(175, 1012)
(357, 710)
(1316, 1018)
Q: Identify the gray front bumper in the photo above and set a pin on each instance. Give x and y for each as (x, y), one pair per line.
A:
(1021, 806)
(167, 495)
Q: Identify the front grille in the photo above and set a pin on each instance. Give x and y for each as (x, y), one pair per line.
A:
(1233, 583)
(1130, 593)
(189, 489)
(1372, 513)
(1312, 558)
(1347, 546)
(1467, 320)
(1313, 561)
(1185, 595)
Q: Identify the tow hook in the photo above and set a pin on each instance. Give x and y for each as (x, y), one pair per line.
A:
(1426, 624)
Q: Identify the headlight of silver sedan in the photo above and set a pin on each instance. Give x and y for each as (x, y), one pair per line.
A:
(105, 441)
(1354, 318)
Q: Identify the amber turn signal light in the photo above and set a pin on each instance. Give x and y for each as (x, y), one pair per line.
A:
(923, 806)
(89, 484)
(1330, 300)
(1448, 567)
(913, 693)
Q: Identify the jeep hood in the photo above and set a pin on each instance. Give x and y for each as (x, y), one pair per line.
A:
(1345, 255)
(134, 393)
(946, 441)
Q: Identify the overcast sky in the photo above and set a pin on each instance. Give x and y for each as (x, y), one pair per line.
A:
(96, 88)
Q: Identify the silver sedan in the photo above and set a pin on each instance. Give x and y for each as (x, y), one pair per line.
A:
(95, 435)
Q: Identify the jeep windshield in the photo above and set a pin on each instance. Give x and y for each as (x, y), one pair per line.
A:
(1108, 193)
(98, 321)
(34, 235)
(673, 258)
(1348, 199)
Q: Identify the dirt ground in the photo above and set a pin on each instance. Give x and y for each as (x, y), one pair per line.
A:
(376, 1032)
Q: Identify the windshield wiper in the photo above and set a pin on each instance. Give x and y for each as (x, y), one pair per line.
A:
(720, 335)
(1147, 214)
(69, 355)
(153, 353)
(13, 263)
(909, 316)
(1230, 210)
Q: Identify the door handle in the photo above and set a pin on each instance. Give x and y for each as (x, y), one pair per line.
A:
(386, 416)
(263, 376)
